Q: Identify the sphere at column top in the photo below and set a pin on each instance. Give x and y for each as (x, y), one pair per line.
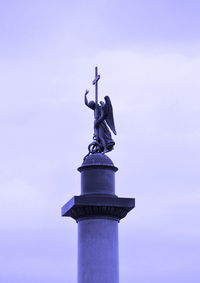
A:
(97, 159)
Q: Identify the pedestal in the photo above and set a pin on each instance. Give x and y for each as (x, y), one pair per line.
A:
(98, 211)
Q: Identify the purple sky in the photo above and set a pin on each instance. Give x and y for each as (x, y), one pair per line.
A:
(148, 54)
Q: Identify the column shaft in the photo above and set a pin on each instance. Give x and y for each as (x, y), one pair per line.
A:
(98, 259)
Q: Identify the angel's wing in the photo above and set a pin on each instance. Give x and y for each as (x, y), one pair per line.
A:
(109, 114)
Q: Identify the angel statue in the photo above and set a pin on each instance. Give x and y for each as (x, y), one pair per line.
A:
(103, 123)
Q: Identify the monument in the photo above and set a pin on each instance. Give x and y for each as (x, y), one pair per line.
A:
(98, 210)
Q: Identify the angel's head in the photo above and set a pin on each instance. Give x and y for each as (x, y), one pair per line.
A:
(91, 104)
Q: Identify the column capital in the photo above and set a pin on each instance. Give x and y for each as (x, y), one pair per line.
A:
(97, 206)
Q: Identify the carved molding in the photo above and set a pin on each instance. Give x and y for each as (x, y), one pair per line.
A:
(80, 212)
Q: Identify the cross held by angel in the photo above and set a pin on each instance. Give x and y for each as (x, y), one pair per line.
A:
(103, 121)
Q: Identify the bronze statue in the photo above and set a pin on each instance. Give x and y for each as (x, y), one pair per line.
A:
(103, 120)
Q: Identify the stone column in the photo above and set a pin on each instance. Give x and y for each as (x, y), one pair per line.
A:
(98, 251)
(98, 211)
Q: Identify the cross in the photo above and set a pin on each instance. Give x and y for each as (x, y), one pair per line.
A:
(95, 82)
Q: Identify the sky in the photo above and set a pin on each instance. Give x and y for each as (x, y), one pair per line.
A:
(148, 55)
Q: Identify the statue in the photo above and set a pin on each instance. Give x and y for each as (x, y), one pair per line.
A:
(103, 122)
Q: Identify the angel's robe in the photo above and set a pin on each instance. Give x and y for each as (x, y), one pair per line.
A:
(103, 132)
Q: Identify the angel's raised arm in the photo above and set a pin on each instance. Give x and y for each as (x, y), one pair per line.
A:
(90, 104)
(86, 100)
